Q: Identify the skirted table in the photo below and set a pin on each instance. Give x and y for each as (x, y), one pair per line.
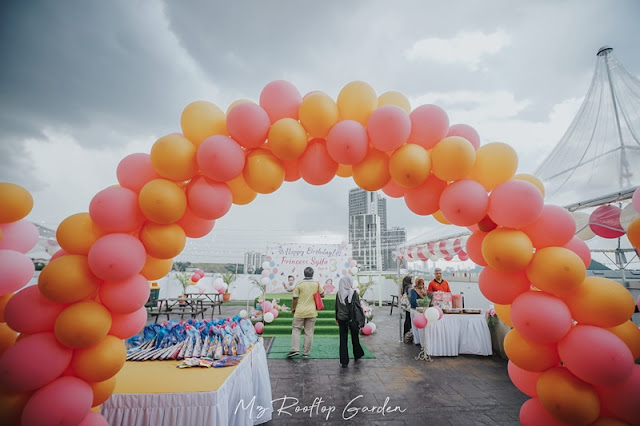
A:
(158, 393)
(454, 334)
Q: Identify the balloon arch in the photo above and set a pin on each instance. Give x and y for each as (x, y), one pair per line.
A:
(570, 349)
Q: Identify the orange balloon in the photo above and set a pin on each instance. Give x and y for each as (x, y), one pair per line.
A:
(410, 165)
(318, 114)
(240, 191)
(15, 202)
(77, 233)
(101, 361)
(201, 119)
(11, 405)
(287, 139)
(495, 163)
(556, 270)
(532, 180)
(452, 158)
(68, 279)
(507, 250)
(344, 170)
(633, 233)
(163, 241)
(568, 398)
(629, 333)
(82, 324)
(372, 173)
(504, 313)
(394, 98)
(601, 302)
(162, 201)
(102, 390)
(356, 101)
(3, 303)
(528, 355)
(7, 337)
(263, 172)
(154, 269)
(174, 157)
(440, 218)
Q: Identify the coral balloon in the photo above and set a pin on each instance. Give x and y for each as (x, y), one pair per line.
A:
(540, 317)
(154, 269)
(388, 127)
(30, 312)
(94, 419)
(82, 324)
(344, 170)
(515, 204)
(410, 165)
(17, 270)
(234, 103)
(15, 202)
(367, 329)
(115, 209)
(580, 248)
(554, 227)
(125, 326)
(208, 199)
(163, 241)
(605, 222)
(420, 321)
(116, 257)
(532, 413)
(425, 199)
(504, 313)
(486, 224)
(601, 302)
(33, 362)
(316, 165)
(136, 289)
(68, 279)
(495, 163)
(528, 355)
(263, 172)
(318, 114)
(291, 170)
(453, 158)
(194, 226)
(248, 124)
(65, 401)
(524, 380)
(77, 233)
(629, 333)
(102, 390)
(101, 361)
(162, 201)
(507, 249)
(392, 189)
(347, 142)
(621, 400)
(532, 180)
(19, 236)
(568, 398)
(287, 139)
(464, 202)
(467, 132)
(474, 247)
(280, 99)
(220, 158)
(174, 157)
(241, 194)
(356, 101)
(429, 124)
(372, 173)
(202, 119)
(394, 98)
(556, 270)
(135, 170)
(502, 287)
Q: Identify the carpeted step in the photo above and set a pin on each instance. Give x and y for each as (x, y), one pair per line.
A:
(289, 321)
(287, 298)
(284, 330)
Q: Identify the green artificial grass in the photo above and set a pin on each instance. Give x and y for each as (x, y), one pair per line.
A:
(323, 348)
(281, 326)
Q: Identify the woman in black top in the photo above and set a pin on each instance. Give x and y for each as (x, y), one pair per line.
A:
(349, 316)
(406, 289)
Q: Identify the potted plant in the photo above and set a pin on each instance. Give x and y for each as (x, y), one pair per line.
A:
(185, 280)
(228, 278)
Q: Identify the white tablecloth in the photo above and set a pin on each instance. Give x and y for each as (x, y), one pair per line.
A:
(231, 404)
(455, 334)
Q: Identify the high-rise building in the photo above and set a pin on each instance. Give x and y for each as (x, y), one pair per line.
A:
(253, 261)
(391, 239)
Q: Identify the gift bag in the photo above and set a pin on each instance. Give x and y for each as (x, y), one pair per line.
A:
(442, 300)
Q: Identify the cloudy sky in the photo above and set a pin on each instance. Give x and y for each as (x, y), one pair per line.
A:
(85, 83)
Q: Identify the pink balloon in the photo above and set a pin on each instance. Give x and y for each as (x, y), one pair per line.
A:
(462, 255)
(502, 287)
(275, 313)
(220, 158)
(367, 330)
(474, 247)
(554, 227)
(424, 199)
(635, 200)
(265, 273)
(194, 226)
(94, 419)
(125, 296)
(259, 327)
(441, 314)
(65, 401)
(464, 202)
(135, 171)
(17, 270)
(19, 236)
(388, 127)
(208, 199)
(467, 132)
(280, 99)
(524, 380)
(540, 317)
(266, 306)
(195, 278)
(580, 248)
(33, 362)
(248, 124)
(116, 257)
(200, 272)
(515, 204)
(429, 124)
(347, 142)
(116, 209)
(595, 355)
(29, 312)
(621, 401)
(125, 326)
(605, 222)
(419, 320)
(393, 190)
(532, 413)
(57, 254)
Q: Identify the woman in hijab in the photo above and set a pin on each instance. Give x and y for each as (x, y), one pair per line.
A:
(347, 303)
(406, 289)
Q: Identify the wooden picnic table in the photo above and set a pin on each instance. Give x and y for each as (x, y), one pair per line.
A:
(212, 299)
(178, 306)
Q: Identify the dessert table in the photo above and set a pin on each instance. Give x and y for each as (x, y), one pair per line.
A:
(454, 334)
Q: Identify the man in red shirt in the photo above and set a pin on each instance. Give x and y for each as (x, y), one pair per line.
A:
(438, 284)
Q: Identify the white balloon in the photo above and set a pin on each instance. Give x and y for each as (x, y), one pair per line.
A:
(243, 314)
(373, 327)
(218, 282)
(354, 270)
(268, 317)
(265, 281)
(628, 215)
(265, 265)
(432, 314)
(583, 231)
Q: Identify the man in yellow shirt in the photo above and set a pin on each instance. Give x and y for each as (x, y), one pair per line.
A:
(304, 312)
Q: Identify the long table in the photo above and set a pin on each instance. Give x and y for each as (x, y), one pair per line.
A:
(454, 334)
(158, 393)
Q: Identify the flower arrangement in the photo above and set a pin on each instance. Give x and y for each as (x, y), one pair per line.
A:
(281, 308)
(492, 317)
(368, 311)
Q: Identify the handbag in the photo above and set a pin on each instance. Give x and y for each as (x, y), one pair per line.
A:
(318, 299)
(356, 314)
(405, 305)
